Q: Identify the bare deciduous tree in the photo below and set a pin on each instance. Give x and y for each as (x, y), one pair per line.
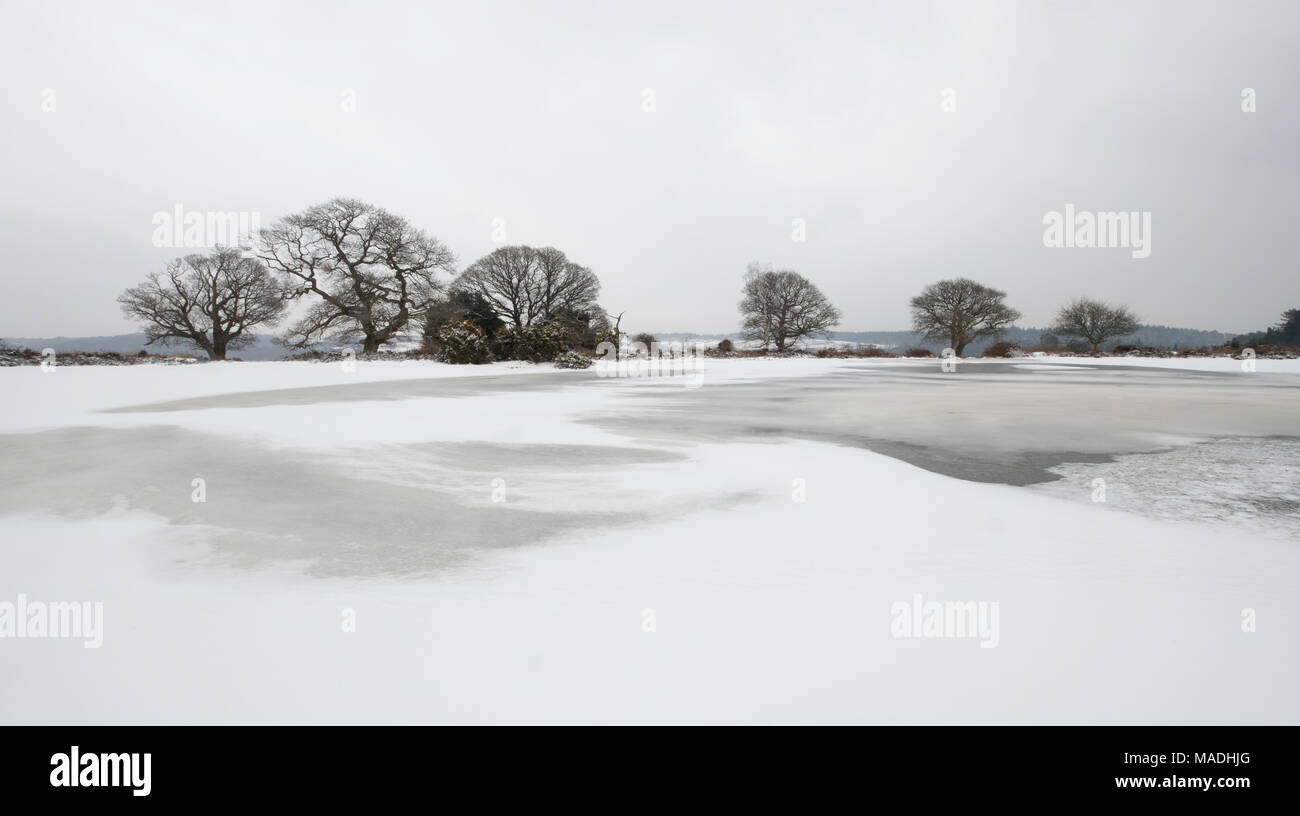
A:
(208, 300)
(524, 285)
(371, 271)
(961, 311)
(781, 306)
(1094, 321)
(502, 280)
(562, 286)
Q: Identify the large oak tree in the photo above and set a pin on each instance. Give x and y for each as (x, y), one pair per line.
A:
(524, 285)
(961, 311)
(1094, 321)
(371, 272)
(780, 307)
(209, 301)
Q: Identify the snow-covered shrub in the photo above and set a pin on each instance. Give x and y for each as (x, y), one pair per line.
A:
(572, 359)
(536, 343)
(462, 342)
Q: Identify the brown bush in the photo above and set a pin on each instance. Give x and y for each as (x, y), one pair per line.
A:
(999, 349)
(859, 351)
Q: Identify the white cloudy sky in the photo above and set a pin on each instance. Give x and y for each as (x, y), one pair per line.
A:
(765, 112)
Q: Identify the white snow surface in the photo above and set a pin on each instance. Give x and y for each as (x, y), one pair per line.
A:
(695, 589)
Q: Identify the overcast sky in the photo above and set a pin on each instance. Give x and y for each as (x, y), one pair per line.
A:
(534, 112)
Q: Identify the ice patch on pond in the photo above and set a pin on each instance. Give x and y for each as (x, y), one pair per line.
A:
(1051, 367)
(1252, 483)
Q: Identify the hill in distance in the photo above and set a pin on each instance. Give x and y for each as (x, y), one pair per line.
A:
(262, 348)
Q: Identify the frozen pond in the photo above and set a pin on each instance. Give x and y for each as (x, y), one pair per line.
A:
(1172, 444)
(524, 545)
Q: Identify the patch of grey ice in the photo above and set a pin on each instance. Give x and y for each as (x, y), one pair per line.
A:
(1252, 483)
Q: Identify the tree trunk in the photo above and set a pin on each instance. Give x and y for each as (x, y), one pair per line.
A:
(371, 345)
(958, 349)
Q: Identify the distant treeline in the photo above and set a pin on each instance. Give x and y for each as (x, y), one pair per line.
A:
(260, 347)
(264, 347)
(1165, 337)
(1285, 333)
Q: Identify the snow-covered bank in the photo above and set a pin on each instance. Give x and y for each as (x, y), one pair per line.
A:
(778, 612)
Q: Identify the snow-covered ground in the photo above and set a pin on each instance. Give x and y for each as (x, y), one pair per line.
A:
(414, 542)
